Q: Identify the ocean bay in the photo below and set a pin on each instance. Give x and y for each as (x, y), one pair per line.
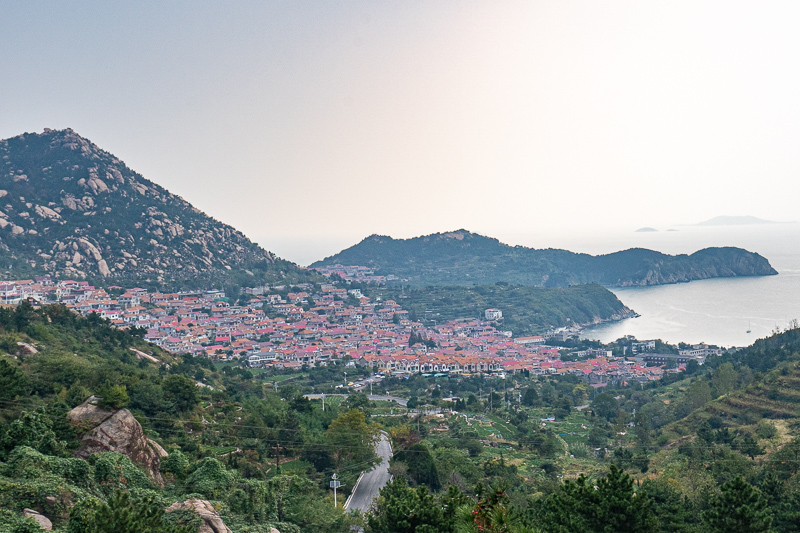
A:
(716, 311)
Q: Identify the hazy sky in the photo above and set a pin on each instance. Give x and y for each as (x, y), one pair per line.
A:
(310, 125)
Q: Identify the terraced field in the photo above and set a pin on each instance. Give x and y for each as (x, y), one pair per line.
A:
(775, 398)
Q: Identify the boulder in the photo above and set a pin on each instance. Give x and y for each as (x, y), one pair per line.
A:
(23, 348)
(42, 520)
(116, 431)
(212, 522)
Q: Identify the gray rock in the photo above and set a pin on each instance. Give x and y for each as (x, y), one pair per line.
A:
(212, 522)
(42, 520)
(23, 348)
(116, 431)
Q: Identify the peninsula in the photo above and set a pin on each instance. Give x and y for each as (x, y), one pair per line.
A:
(465, 258)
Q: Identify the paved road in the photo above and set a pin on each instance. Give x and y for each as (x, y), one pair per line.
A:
(372, 482)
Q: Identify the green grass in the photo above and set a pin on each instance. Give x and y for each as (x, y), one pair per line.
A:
(295, 467)
(282, 377)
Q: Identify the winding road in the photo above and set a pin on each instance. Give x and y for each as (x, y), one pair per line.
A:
(370, 483)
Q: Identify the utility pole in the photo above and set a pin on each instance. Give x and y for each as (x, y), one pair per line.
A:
(335, 485)
(323, 402)
(277, 457)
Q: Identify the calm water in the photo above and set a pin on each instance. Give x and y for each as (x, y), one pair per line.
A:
(717, 311)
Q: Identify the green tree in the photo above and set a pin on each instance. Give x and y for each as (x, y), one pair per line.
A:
(358, 400)
(34, 429)
(210, 478)
(608, 505)
(699, 393)
(176, 464)
(421, 466)
(598, 437)
(672, 512)
(401, 509)
(351, 439)
(739, 508)
(605, 406)
(121, 514)
(114, 397)
(181, 392)
(724, 379)
(530, 398)
(12, 381)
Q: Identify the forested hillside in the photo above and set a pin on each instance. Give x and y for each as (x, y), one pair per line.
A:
(526, 310)
(464, 258)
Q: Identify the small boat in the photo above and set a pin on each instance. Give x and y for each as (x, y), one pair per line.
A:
(749, 330)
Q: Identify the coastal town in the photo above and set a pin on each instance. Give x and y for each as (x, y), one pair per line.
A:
(309, 325)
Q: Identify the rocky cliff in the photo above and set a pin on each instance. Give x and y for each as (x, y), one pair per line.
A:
(70, 209)
(116, 431)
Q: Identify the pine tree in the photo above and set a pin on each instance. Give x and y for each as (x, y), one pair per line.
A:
(610, 504)
(739, 508)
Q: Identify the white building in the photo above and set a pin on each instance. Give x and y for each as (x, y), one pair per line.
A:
(493, 314)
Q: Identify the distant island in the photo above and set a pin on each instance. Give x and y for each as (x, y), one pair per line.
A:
(726, 220)
(645, 230)
(465, 258)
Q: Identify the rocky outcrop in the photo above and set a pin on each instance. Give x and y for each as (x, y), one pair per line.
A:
(212, 522)
(23, 348)
(116, 431)
(40, 519)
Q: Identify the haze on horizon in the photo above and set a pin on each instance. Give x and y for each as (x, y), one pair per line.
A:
(321, 123)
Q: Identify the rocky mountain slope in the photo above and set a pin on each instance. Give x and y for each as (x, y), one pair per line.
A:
(70, 209)
(464, 258)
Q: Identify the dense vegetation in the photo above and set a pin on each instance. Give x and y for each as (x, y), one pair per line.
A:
(223, 443)
(464, 258)
(712, 449)
(70, 209)
(526, 310)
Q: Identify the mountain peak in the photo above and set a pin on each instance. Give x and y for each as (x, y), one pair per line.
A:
(71, 209)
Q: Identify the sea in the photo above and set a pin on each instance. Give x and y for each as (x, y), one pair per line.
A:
(725, 312)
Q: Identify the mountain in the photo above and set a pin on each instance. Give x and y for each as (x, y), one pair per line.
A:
(72, 210)
(464, 258)
(734, 221)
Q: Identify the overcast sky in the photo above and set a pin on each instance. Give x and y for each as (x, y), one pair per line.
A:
(310, 125)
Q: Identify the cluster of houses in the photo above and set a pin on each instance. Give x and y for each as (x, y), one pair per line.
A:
(314, 325)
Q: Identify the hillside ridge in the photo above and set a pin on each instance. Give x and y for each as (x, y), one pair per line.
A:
(464, 258)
